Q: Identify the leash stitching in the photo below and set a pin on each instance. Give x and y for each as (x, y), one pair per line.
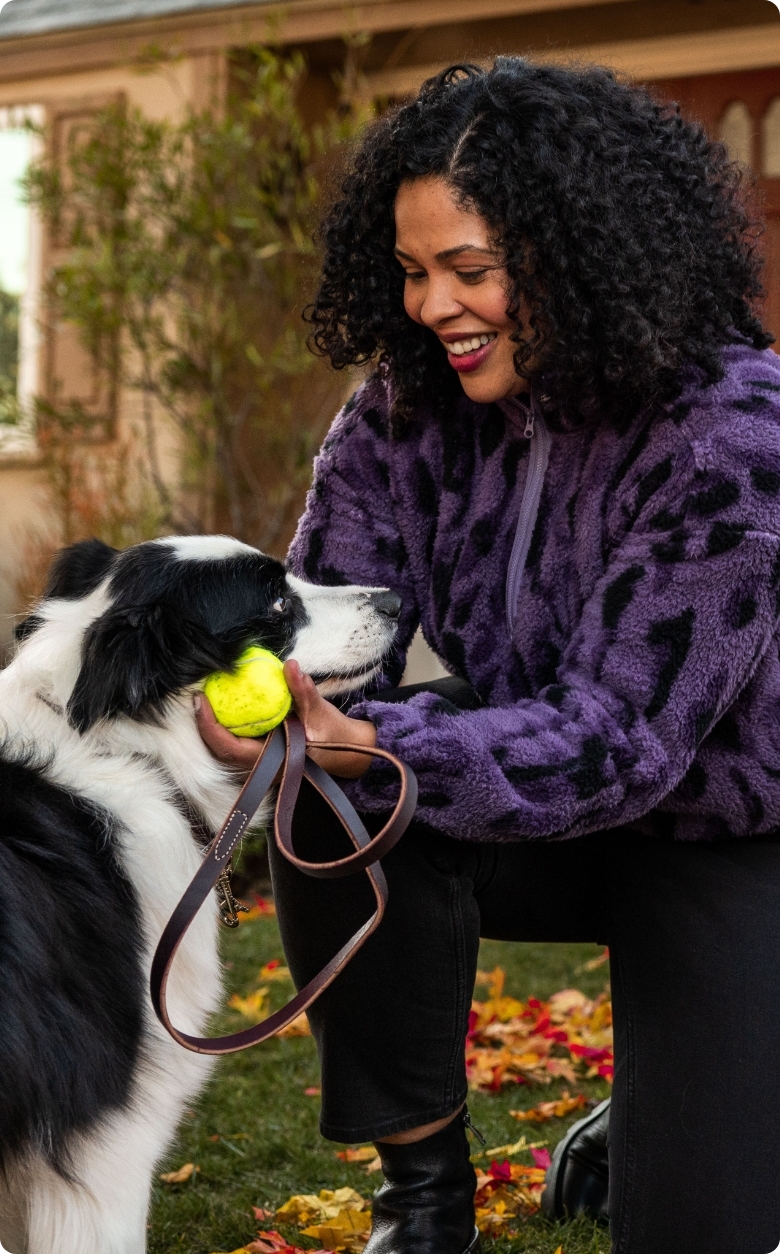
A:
(239, 830)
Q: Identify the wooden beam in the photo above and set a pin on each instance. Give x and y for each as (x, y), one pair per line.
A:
(675, 56)
(204, 31)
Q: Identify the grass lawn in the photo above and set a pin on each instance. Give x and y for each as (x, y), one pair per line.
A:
(254, 1133)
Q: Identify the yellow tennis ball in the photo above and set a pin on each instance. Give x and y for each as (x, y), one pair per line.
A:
(254, 698)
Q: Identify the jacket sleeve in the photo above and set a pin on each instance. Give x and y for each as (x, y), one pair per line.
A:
(348, 533)
(669, 636)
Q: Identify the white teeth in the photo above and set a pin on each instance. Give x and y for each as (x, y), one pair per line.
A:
(460, 347)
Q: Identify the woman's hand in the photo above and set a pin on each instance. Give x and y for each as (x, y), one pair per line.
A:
(321, 721)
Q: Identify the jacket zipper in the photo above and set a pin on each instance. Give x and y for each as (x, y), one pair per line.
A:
(539, 456)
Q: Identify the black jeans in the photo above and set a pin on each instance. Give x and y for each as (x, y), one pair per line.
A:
(694, 936)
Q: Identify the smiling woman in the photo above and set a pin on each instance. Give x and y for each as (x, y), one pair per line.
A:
(624, 234)
(566, 463)
(460, 292)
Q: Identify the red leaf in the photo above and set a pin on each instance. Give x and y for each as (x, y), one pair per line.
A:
(501, 1171)
(541, 1158)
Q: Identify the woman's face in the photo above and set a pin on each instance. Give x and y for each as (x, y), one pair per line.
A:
(457, 285)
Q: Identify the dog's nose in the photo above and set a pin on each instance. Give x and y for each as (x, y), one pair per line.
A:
(388, 603)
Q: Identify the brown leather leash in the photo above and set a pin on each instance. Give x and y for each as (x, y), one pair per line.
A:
(285, 754)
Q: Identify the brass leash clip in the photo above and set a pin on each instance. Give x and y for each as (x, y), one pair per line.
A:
(229, 907)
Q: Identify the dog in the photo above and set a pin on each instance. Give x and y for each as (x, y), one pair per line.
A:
(105, 789)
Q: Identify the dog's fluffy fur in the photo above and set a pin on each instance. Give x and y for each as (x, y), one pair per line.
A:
(101, 773)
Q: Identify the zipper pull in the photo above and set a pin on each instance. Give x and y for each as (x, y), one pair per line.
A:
(470, 1128)
(529, 425)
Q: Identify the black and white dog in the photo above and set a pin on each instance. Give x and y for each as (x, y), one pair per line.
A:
(101, 772)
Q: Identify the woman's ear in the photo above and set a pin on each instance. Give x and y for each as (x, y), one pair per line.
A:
(134, 659)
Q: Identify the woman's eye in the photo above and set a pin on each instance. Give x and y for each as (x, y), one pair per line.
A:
(414, 275)
(471, 276)
(280, 605)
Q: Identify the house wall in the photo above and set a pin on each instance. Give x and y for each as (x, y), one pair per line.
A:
(163, 93)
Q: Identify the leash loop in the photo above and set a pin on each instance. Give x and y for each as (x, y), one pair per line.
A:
(284, 759)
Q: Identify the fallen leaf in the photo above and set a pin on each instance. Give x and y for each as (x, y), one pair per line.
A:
(364, 1154)
(551, 1110)
(254, 1007)
(271, 1243)
(541, 1158)
(348, 1230)
(593, 965)
(314, 1090)
(262, 1214)
(339, 1218)
(274, 970)
(516, 1148)
(179, 1177)
(327, 1204)
(298, 1027)
(262, 908)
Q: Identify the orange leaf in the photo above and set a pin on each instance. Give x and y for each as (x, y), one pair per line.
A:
(362, 1155)
(181, 1176)
(550, 1110)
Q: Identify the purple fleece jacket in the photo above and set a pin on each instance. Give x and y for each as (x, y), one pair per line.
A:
(642, 687)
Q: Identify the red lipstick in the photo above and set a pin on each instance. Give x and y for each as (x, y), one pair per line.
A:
(471, 361)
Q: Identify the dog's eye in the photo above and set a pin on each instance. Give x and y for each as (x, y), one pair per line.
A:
(280, 605)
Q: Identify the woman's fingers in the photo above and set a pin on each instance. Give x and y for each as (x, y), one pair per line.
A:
(324, 722)
(232, 750)
(312, 709)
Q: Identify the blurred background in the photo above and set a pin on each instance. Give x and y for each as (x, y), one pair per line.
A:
(161, 167)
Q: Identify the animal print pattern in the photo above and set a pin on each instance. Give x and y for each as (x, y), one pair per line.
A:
(642, 687)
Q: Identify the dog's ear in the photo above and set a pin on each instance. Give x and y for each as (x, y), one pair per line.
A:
(77, 570)
(134, 659)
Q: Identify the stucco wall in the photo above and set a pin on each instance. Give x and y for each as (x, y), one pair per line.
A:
(165, 92)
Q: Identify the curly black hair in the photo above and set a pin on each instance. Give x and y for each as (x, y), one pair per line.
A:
(627, 234)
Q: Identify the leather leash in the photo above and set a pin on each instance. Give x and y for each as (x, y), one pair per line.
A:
(285, 753)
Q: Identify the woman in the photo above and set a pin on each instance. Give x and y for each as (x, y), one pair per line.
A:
(567, 462)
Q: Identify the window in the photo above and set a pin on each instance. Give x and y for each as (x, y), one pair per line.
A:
(770, 128)
(736, 132)
(20, 274)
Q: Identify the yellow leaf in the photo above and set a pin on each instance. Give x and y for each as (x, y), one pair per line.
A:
(298, 1027)
(330, 1203)
(179, 1177)
(251, 1007)
(274, 971)
(506, 1151)
(347, 1230)
(344, 1221)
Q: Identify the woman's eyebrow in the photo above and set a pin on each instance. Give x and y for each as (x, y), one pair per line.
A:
(463, 248)
(449, 252)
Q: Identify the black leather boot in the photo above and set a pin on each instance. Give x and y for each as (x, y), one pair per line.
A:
(426, 1204)
(577, 1180)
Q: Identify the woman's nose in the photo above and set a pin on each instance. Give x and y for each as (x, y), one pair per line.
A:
(439, 303)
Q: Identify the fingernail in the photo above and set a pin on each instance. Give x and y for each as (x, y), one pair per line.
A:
(198, 702)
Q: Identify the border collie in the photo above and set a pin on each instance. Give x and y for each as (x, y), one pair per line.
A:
(105, 788)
